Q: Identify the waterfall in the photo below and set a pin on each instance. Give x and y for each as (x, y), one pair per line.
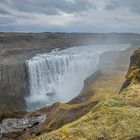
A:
(59, 76)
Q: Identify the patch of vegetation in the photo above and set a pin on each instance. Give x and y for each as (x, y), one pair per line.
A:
(113, 119)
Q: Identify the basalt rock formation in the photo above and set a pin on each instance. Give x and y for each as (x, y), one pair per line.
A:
(12, 87)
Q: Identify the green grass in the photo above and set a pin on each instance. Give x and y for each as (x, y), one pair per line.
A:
(116, 117)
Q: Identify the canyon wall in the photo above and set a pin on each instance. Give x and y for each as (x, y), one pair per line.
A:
(12, 87)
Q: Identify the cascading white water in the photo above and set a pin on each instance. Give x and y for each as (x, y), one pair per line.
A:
(59, 76)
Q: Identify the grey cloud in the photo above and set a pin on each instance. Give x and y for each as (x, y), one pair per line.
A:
(7, 20)
(4, 12)
(44, 15)
(49, 7)
(133, 5)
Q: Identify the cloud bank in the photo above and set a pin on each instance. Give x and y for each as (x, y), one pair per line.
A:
(70, 15)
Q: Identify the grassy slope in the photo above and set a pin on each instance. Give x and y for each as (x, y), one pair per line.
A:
(116, 117)
(112, 119)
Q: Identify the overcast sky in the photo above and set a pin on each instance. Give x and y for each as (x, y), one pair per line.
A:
(70, 15)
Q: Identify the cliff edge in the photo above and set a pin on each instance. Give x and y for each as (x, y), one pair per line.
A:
(133, 75)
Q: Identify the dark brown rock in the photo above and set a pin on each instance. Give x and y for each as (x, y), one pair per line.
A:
(135, 138)
(133, 74)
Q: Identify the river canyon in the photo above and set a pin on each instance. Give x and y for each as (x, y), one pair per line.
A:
(59, 76)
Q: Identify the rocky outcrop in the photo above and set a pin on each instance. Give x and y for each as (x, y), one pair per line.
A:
(133, 75)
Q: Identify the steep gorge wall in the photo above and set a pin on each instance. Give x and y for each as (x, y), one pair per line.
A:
(12, 87)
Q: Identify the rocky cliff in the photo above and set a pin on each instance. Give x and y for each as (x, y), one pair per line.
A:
(12, 87)
(133, 75)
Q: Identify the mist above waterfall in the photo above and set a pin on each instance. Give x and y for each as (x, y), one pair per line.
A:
(59, 76)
